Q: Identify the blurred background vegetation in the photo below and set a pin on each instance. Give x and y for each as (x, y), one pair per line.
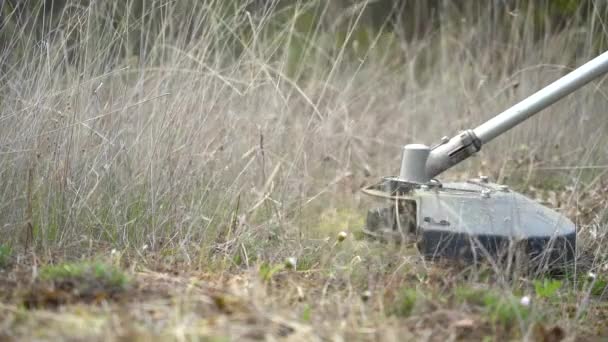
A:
(138, 24)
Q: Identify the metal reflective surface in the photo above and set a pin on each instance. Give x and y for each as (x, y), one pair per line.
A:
(476, 208)
(470, 220)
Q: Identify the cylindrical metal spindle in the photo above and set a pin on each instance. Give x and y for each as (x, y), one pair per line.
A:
(413, 163)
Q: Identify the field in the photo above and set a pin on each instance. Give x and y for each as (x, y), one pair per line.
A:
(191, 170)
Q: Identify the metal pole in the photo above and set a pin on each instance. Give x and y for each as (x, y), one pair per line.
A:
(542, 99)
(452, 151)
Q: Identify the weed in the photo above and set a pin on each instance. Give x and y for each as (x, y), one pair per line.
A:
(406, 302)
(599, 285)
(499, 308)
(307, 262)
(468, 294)
(547, 288)
(267, 271)
(69, 282)
(85, 271)
(504, 310)
(307, 313)
(6, 253)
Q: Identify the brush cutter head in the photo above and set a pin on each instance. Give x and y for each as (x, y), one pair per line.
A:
(477, 219)
(472, 220)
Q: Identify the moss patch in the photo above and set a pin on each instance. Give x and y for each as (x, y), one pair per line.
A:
(73, 282)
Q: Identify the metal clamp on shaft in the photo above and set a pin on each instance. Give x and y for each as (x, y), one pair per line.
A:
(420, 163)
(451, 152)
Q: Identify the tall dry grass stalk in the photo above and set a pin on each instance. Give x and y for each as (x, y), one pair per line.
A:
(207, 128)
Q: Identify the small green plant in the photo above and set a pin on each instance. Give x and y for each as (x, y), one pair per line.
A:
(469, 295)
(5, 255)
(600, 286)
(499, 308)
(307, 313)
(406, 302)
(267, 271)
(502, 310)
(76, 281)
(547, 288)
(85, 275)
(307, 261)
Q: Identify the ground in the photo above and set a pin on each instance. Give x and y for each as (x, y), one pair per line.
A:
(355, 289)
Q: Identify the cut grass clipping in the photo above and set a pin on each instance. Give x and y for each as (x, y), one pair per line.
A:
(77, 281)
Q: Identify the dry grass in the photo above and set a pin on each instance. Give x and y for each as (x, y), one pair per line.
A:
(204, 161)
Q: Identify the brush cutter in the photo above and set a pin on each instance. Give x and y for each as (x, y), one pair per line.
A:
(477, 219)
